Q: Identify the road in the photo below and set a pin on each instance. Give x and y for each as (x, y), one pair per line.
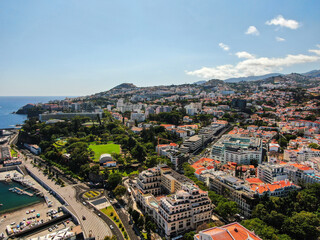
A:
(93, 224)
(115, 231)
(194, 158)
(125, 219)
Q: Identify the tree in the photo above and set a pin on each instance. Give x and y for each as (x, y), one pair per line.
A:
(227, 209)
(140, 222)
(110, 238)
(114, 180)
(135, 215)
(262, 229)
(139, 152)
(189, 235)
(314, 145)
(119, 191)
(303, 226)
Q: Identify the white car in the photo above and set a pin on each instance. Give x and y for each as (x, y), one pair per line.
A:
(111, 226)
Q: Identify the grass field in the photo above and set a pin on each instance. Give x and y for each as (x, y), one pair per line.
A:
(13, 153)
(104, 148)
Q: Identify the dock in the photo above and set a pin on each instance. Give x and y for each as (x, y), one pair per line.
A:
(23, 191)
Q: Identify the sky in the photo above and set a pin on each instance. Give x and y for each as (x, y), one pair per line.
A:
(81, 47)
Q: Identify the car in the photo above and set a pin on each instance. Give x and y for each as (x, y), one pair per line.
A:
(13, 223)
(111, 226)
(56, 226)
(50, 229)
(84, 203)
(83, 218)
(99, 214)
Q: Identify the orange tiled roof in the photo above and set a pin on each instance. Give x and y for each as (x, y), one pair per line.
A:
(272, 187)
(233, 231)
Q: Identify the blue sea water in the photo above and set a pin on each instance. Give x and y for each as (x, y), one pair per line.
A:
(12, 104)
(11, 200)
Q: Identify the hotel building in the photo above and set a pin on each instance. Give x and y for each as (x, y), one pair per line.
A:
(185, 208)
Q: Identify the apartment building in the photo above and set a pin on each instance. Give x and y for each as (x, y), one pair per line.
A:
(205, 136)
(234, 189)
(5, 153)
(185, 208)
(299, 173)
(148, 181)
(241, 150)
(300, 155)
(35, 149)
(270, 173)
(137, 116)
(246, 193)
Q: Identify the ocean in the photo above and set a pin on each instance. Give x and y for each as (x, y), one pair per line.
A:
(11, 200)
(12, 104)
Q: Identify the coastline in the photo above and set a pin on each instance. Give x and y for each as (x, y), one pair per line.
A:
(19, 208)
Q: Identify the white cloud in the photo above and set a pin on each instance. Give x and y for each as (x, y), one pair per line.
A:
(316, 51)
(244, 55)
(279, 39)
(318, 45)
(282, 22)
(252, 30)
(253, 66)
(224, 46)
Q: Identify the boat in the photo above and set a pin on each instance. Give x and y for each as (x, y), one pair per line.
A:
(1, 204)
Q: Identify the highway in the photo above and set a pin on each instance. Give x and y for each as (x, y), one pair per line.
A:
(93, 225)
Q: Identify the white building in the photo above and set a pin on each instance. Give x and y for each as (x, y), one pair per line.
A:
(184, 209)
(136, 116)
(107, 161)
(270, 173)
(241, 150)
(300, 155)
(35, 149)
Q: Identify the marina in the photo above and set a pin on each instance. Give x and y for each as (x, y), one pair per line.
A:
(16, 197)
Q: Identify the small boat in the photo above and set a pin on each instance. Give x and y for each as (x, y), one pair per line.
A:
(1, 204)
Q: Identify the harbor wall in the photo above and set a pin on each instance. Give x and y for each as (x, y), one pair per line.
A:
(43, 184)
(11, 168)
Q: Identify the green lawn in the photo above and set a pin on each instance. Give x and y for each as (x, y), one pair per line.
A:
(104, 148)
(13, 153)
(111, 213)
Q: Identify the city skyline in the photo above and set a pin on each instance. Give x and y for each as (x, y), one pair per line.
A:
(79, 48)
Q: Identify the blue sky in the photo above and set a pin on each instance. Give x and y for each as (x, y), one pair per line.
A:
(78, 47)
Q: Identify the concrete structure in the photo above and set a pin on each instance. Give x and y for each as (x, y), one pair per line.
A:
(5, 153)
(136, 116)
(35, 149)
(245, 193)
(299, 155)
(184, 209)
(241, 150)
(107, 161)
(270, 173)
(299, 173)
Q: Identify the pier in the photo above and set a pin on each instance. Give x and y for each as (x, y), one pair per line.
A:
(23, 191)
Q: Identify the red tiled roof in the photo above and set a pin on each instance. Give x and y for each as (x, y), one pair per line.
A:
(233, 231)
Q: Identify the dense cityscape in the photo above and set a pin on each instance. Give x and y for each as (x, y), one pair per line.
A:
(160, 120)
(235, 160)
